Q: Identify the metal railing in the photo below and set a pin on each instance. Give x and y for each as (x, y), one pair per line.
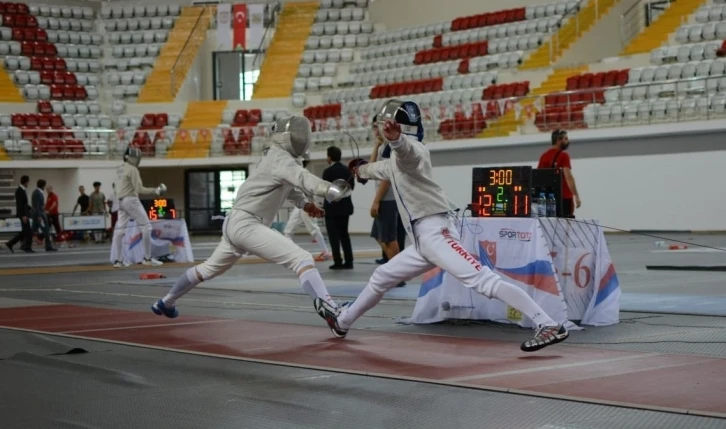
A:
(639, 16)
(189, 51)
(259, 55)
(698, 98)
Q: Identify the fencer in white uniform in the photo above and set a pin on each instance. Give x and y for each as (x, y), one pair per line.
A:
(129, 188)
(297, 217)
(246, 228)
(430, 223)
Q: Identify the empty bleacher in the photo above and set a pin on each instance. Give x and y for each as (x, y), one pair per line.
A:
(472, 76)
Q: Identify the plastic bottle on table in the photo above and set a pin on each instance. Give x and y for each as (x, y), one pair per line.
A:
(551, 206)
(542, 205)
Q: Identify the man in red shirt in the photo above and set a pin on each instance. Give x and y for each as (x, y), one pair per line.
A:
(557, 157)
(51, 209)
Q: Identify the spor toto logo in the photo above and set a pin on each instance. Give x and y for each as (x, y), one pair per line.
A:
(510, 234)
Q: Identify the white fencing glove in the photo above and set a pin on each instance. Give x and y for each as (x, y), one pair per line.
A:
(161, 189)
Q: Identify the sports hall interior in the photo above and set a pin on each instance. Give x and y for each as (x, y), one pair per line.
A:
(639, 86)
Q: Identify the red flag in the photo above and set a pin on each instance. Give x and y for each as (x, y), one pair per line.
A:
(239, 24)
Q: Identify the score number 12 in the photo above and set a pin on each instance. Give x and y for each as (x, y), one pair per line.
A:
(485, 201)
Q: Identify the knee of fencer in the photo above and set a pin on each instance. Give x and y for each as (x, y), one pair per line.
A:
(380, 282)
(200, 273)
(488, 287)
(301, 266)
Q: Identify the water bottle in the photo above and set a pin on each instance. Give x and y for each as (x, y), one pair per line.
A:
(542, 205)
(551, 206)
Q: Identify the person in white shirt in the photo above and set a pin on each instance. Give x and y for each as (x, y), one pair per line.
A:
(130, 207)
(430, 223)
(299, 216)
(246, 227)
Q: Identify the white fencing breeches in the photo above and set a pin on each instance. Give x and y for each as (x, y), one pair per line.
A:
(220, 261)
(299, 216)
(439, 246)
(131, 208)
(246, 233)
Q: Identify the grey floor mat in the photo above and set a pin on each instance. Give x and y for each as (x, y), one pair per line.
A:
(114, 386)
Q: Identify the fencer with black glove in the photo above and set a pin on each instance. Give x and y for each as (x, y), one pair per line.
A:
(426, 213)
(129, 187)
(246, 228)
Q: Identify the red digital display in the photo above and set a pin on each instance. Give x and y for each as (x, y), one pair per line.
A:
(501, 192)
(160, 208)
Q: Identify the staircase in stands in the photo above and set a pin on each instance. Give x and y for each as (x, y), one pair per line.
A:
(9, 93)
(667, 22)
(180, 50)
(196, 131)
(508, 123)
(548, 53)
(282, 59)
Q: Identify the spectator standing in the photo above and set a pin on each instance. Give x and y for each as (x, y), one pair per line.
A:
(83, 202)
(557, 157)
(97, 207)
(52, 211)
(337, 214)
(22, 212)
(40, 220)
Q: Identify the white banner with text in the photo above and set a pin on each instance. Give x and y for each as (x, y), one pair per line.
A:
(565, 269)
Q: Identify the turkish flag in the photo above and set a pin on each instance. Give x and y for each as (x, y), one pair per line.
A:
(239, 25)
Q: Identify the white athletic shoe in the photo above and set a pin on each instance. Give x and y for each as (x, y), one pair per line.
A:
(152, 262)
(119, 264)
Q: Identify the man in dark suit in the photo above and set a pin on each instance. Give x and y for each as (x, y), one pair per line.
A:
(22, 212)
(40, 219)
(338, 214)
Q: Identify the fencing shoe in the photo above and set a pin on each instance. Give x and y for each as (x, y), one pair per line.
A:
(545, 336)
(160, 308)
(330, 315)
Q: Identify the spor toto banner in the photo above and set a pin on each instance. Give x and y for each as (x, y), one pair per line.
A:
(519, 251)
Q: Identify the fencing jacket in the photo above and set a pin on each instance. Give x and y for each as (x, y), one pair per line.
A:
(128, 182)
(277, 177)
(410, 172)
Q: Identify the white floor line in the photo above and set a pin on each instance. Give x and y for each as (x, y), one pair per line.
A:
(671, 410)
(546, 368)
(121, 328)
(131, 295)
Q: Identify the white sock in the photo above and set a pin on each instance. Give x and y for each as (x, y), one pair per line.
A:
(313, 285)
(519, 300)
(184, 284)
(365, 301)
(318, 236)
(146, 242)
(118, 243)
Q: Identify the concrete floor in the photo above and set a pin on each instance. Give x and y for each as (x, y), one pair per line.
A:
(660, 314)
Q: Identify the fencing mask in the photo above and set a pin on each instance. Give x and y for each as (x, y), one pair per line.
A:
(133, 156)
(293, 134)
(405, 113)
